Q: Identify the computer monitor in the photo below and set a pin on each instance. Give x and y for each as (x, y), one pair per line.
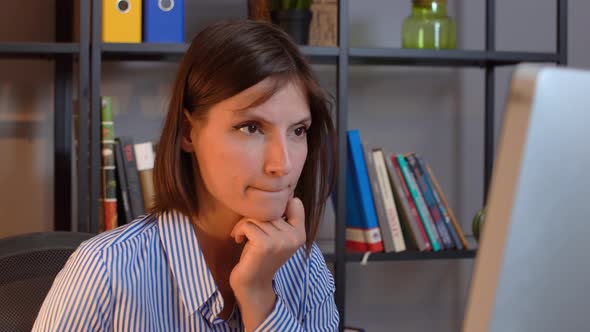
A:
(532, 270)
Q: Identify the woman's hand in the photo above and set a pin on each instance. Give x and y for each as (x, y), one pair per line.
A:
(269, 245)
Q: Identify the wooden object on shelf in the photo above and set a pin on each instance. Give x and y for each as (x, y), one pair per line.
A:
(324, 23)
(259, 10)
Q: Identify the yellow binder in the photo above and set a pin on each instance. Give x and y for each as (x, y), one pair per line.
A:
(121, 21)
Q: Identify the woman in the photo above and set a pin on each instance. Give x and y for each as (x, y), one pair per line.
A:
(242, 175)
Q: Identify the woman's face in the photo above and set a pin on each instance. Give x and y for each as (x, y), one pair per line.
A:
(250, 159)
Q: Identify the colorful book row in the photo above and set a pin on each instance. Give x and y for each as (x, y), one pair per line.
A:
(394, 203)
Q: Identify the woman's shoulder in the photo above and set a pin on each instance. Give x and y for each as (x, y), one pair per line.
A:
(141, 226)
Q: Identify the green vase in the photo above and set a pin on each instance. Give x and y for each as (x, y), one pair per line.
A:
(478, 222)
(429, 26)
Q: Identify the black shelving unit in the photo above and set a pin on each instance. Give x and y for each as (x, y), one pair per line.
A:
(38, 50)
(487, 60)
(65, 54)
(342, 57)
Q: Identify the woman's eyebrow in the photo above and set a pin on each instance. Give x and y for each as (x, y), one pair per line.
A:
(255, 117)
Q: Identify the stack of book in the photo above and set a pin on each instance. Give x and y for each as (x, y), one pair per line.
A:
(127, 189)
(394, 203)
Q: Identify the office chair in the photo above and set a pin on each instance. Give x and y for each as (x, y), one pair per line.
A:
(28, 266)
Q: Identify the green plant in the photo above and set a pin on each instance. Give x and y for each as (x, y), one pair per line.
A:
(291, 4)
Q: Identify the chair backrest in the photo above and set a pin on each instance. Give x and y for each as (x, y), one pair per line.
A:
(28, 266)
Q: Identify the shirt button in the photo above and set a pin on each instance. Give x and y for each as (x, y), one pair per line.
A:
(233, 323)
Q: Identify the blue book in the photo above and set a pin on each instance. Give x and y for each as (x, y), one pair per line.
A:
(361, 189)
(356, 237)
(163, 21)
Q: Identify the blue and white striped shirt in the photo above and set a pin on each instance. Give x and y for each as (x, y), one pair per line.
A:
(150, 275)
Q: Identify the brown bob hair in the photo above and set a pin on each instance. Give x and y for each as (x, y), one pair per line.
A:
(224, 59)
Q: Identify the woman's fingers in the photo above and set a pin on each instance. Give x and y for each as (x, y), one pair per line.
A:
(296, 214)
(279, 232)
(246, 229)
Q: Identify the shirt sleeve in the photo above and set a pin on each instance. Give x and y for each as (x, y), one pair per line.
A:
(321, 314)
(79, 299)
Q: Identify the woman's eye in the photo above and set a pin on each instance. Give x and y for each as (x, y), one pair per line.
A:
(249, 129)
(300, 131)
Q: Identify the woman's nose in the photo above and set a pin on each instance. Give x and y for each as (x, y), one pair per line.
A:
(278, 161)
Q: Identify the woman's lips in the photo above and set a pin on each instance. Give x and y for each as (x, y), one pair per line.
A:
(270, 191)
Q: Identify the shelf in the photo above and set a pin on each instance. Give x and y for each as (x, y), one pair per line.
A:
(413, 255)
(143, 51)
(447, 58)
(327, 247)
(37, 50)
(358, 56)
(174, 51)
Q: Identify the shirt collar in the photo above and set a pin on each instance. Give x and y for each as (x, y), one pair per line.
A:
(187, 263)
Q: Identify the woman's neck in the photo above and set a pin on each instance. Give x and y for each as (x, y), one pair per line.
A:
(220, 250)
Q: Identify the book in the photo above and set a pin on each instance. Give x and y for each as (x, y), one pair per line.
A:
(123, 204)
(431, 206)
(447, 208)
(438, 203)
(382, 218)
(132, 175)
(108, 168)
(145, 157)
(419, 202)
(390, 207)
(361, 192)
(356, 235)
(409, 216)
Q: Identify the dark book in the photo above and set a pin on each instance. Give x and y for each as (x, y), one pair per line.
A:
(132, 174)
(407, 211)
(419, 203)
(443, 200)
(442, 210)
(432, 208)
(123, 210)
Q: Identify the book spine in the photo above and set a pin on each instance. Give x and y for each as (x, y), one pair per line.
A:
(386, 233)
(419, 202)
(356, 237)
(406, 205)
(109, 176)
(365, 195)
(389, 203)
(124, 210)
(448, 209)
(132, 174)
(437, 202)
(144, 155)
(443, 232)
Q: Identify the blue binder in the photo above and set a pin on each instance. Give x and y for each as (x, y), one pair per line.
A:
(163, 21)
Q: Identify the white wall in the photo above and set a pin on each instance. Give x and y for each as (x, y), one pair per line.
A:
(437, 112)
